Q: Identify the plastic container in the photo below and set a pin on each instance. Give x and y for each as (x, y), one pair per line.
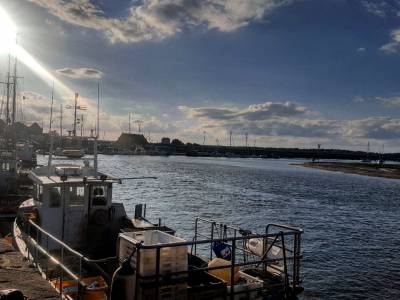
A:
(224, 273)
(172, 259)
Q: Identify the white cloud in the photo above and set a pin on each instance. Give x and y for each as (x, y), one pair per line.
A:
(382, 8)
(379, 128)
(298, 124)
(252, 112)
(390, 101)
(361, 49)
(81, 73)
(159, 19)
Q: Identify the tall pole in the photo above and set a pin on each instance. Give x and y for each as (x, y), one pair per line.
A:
(75, 107)
(247, 139)
(230, 138)
(50, 129)
(8, 83)
(61, 124)
(14, 100)
(97, 129)
(81, 125)
(129, 130)
(98, 110)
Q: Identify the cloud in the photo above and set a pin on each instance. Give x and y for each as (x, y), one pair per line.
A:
(380, 128)
(159, 19)
(253, 112)
(394, 45)
(81, 73)
(381, 8)
(389, 101)
(292, 121)
(361, 49)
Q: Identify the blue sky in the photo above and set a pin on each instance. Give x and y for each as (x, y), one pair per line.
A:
(287, 72)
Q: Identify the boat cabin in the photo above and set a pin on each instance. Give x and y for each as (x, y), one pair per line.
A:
(70, 199)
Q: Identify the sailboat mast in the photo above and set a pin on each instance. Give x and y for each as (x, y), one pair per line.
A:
(8, 83)
(75, 108)
(50, 128)
(14, 99)
(61, 124)
(97, 130)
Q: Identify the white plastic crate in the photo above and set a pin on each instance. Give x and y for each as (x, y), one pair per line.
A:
(172, 259)
(248, 287)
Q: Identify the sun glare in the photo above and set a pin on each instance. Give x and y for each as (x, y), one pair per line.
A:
(8, 32)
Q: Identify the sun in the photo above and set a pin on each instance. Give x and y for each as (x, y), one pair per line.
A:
(8, 33)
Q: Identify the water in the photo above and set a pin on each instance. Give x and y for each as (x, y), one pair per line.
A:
(351, 223)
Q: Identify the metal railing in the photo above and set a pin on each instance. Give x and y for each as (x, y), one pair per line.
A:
(245, 260)
(38, 242)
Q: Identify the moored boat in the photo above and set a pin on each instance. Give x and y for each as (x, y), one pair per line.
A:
(88, 248)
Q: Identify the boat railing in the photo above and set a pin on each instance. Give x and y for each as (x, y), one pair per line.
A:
(38, 242)
(240, 257)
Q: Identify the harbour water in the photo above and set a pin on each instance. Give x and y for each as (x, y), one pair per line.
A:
(351, 223)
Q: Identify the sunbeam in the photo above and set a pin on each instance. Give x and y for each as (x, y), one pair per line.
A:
(8, 33)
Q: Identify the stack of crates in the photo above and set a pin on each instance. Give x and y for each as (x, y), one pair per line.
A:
(172, 259)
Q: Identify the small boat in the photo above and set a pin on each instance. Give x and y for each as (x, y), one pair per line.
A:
(73, 153)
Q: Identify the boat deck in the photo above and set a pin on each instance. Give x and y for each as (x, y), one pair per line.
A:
(17, 273)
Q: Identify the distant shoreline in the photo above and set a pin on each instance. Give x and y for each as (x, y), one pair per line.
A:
(386, 171)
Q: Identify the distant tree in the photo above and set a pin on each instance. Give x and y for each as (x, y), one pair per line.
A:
(177, 142)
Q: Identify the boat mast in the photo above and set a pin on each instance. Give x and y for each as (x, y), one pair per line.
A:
(75, 107)
(50, 129)
(97, 129)
(61, 121)
(14, 99)
(8, 83)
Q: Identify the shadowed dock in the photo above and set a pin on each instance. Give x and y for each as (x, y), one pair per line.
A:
(16, 273)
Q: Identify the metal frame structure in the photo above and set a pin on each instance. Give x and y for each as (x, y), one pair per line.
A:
(286, 238)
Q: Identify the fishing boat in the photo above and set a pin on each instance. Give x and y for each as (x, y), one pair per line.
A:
(16, 155)
(88, 247)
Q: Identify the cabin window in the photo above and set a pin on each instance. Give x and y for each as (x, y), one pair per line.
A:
(99, 195)
(55, 197)
(5, 166)
(76, 196)
(39, 193)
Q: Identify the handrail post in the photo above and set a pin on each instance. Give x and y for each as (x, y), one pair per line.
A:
(61, 271)
(233, 257)
(285, 265)
(212, 237)
(195, 236)
(157, 272)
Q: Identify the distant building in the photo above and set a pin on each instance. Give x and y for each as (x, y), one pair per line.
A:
(35, 129)
(165, 141)
(131, 141)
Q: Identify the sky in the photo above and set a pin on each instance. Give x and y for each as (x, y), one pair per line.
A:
(286, 73)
